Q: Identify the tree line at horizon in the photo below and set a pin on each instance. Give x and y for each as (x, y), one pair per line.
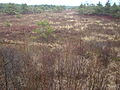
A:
(13, 9)
(99, 9)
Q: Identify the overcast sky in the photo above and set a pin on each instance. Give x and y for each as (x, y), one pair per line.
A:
(55, 2)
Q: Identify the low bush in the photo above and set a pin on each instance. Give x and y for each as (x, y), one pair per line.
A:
(8, 24)
(45, 31)
(18, 15)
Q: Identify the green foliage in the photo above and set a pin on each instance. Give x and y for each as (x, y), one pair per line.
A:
(11, 9)
(82, 6)
(36, 9)
(42, 8)
(2, 8)
(8, 24)
(84, 9)
(24, 9)
(58, 8)
(18, 15)
(45, 30)
(115, 10)
(107, 8)
(99, 9)
(43, 23)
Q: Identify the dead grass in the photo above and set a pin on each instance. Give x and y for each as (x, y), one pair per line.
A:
(83, 56)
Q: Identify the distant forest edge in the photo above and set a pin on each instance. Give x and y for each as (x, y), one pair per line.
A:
(108, 9)
(13, 9)
(89, 9)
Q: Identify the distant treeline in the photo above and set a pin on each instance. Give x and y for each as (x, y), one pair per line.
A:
(99, 9)
(12, 9)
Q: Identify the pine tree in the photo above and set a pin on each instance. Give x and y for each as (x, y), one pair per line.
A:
(115, 10)
(107, 8)
(24, 9)
(99, 9)
(11, 9)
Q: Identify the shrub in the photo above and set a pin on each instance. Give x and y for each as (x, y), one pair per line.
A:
(18, 15)
(44, 31)
(24, 9)
(83, 9)
(99, 9)
(8, 24)
(115, 10)
(11, 9)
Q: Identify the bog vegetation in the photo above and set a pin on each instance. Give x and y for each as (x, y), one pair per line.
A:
(47, 47)
(44, 31)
